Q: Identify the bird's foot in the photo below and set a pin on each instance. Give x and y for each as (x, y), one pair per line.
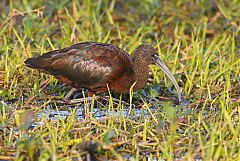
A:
(78, 100)
(88, 99)
(114, 100)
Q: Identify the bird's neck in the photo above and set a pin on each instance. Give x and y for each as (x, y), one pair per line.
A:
(141, 72)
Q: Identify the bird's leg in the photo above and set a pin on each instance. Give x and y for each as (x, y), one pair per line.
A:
(69, 94)
(91, 95)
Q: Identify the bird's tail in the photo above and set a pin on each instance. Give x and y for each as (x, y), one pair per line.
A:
(34, 63)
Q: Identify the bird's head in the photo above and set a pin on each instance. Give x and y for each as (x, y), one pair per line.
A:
(149, 55)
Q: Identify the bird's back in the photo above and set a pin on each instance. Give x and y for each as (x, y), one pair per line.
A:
(90, 65)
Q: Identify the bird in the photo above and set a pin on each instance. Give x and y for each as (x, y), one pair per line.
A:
(98, 67)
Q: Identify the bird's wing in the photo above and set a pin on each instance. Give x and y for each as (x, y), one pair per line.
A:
(87, 64)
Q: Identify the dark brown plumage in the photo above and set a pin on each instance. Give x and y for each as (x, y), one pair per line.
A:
(96, 66)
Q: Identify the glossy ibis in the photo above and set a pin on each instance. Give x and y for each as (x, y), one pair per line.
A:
(98, 66)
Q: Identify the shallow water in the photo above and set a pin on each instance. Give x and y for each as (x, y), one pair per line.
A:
(100, 111)
(97, 113)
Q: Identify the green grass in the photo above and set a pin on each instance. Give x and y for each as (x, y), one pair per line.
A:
(199, 41)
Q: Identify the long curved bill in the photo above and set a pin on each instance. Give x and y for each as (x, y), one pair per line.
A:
(165, 69)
